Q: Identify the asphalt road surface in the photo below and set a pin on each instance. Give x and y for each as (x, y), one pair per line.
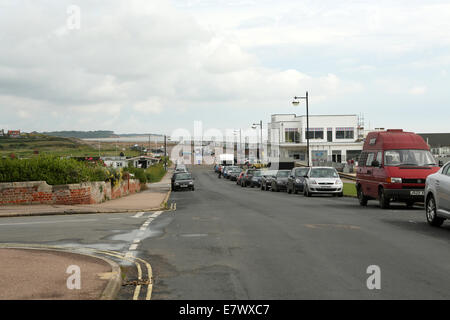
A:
(228, 242)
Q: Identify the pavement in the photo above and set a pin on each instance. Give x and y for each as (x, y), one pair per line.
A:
(151, 199)
(31, 274)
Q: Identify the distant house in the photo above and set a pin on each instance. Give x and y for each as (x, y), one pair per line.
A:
(143, 161)
(14, 133)
(115, 162)
(438, 142)
(2, 133)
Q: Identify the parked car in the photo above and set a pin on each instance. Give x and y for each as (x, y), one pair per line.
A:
(234, 174)
(180, 169)
(183, 181)
(239, 178)
(437, 195)
(323, 180)
(393, 167)
(255, 180)
(296, 180)
(279, 181)
(228, 170)
(266, 179)
(247, 177)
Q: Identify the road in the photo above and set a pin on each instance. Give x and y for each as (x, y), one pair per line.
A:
(228, 242)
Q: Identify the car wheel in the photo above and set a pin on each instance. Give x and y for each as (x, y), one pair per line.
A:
(361, 197)
(340, 195)
(288, 190)
(295, 190)
(384, 201)
(432, 217)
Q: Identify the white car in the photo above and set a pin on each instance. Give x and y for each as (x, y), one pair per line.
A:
(323, 180)
(437, 196)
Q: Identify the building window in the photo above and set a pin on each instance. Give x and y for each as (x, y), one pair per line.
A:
(345, 133)
(314, 133)
(291, 135)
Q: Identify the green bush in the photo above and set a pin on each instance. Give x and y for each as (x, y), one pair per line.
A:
(138, 173)
(156, 172)
(53, 170)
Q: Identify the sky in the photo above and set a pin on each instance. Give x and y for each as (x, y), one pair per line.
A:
(140, 66)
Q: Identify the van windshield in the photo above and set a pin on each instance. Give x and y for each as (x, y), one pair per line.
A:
(409, 157)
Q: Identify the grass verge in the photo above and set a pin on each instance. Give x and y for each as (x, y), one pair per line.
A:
(350, 190)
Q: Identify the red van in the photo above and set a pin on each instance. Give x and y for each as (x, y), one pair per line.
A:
(393, 167)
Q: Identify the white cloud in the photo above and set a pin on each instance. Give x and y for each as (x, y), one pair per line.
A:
(418, 90)
(150, 106)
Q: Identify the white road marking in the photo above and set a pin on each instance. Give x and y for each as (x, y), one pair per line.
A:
(133, 247)
(136, 240)
(138, 215)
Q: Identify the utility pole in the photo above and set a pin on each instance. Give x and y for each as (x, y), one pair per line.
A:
(165, 152)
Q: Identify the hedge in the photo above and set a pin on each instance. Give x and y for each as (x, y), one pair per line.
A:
(53, 170)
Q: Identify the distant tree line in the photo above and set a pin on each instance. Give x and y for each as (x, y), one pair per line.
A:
(82, 134)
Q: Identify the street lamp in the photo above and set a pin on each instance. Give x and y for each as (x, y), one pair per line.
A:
(255, 125)
(296, 102)
(240, 145)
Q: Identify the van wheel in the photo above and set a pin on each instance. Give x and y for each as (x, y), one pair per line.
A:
(384, 201)
(362, 198)
(432, 217)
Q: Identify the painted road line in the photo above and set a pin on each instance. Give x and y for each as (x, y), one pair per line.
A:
(142, 228)
(138, 215)
(136, 240)
(133, 247)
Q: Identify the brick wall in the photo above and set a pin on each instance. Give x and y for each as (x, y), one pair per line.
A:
(39, 192)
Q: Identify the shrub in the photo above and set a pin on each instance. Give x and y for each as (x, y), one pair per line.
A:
(53, 170)
(138, 173)
(156, 172)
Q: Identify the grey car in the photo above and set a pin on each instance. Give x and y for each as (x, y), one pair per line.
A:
(183, 181)
(437, 196)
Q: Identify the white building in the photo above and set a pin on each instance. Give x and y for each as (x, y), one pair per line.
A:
(332, 138)
(115, 162)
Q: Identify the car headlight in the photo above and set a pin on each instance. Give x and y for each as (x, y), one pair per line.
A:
(190, 182)
(338, 182)
(177, 183)
(313, 181)
(394, 180)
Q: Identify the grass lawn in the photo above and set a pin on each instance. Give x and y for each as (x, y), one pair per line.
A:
(349, 189)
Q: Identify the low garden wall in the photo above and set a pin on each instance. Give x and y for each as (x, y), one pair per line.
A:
(39, 192)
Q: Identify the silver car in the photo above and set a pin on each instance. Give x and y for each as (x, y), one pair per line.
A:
(323, 180)
(437, 195)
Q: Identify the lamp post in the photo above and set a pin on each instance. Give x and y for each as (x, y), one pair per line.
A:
(260, 144)
(296, 102)
(240, 145)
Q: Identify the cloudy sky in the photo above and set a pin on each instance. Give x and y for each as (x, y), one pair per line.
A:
(157, 65)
